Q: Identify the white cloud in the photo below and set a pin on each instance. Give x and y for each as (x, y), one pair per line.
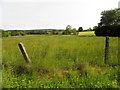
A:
(53, 13)
(119, 4)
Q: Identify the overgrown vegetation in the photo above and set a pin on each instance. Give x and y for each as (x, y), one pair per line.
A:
(59, 62)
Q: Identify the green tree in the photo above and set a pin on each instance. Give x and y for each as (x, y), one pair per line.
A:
(68, 27)
(109, 24)
(68, 30)
(110, 17)
(74, 31)
(90, 29)
(80, 29)
(94, 28)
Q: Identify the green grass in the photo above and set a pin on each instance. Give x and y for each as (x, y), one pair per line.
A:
(59, 62)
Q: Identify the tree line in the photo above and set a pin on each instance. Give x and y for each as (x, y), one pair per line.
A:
(68, 31)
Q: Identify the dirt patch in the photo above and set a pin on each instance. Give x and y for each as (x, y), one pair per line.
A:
(19, 70)
(42, 71)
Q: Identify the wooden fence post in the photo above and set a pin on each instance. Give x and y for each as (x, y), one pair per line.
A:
(106, 49)
(24, 53)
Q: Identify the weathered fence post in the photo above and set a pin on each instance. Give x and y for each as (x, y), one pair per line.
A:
(106, 49)
(24, 53)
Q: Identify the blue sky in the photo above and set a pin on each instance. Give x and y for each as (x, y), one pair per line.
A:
(35, 14)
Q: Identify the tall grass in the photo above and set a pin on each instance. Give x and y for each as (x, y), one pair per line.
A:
(59, 61)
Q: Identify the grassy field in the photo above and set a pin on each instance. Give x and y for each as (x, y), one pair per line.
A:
(87, 33)
(59, 62)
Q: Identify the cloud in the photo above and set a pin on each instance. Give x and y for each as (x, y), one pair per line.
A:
(119, 4)
(53, 13)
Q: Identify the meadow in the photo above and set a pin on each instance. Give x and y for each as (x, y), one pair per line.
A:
(59, 61)
(87, 33)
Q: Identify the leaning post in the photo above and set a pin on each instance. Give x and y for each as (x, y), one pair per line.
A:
(106, 49)
(24, 53)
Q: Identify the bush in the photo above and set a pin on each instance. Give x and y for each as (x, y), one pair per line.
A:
(108, 31)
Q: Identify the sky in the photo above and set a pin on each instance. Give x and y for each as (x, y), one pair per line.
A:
(119, 4)
(52, 14)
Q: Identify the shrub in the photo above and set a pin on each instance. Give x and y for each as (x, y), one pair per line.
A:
(108, 31)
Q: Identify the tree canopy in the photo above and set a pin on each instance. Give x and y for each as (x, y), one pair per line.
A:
(110, 18)
(80, 29)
